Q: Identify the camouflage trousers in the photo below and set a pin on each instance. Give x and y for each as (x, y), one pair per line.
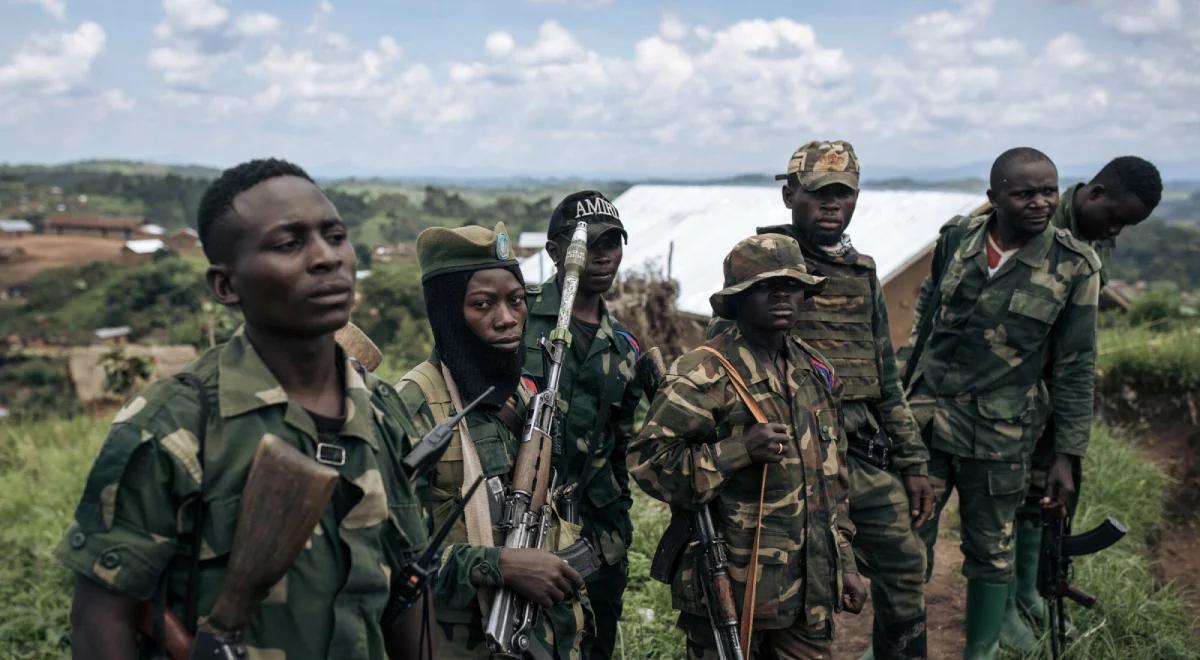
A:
(798, 642)
(606, 589)
(989, 493)
(891, 554)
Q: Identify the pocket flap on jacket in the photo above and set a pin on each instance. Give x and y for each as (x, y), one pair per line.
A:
(1034, 306)
(1007, 408)
(1006, 482)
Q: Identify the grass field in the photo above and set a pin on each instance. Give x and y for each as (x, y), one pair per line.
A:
(43, 464)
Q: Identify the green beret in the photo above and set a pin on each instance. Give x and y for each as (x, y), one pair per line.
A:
(443, 250)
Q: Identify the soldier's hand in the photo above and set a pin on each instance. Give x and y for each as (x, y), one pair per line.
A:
(854, 593)
(1060, 486)
(538, 576)
(920, 498)
(766, 443)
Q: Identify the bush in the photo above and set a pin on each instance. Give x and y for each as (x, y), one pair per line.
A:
(1142, 357)
(1155, 308)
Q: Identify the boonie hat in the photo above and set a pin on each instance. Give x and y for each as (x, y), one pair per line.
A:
(821, 163)
(589, 206)
(445, 250)
(758, 258)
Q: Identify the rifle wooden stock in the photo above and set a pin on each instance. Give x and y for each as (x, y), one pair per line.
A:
(177, 641)
(359, 346)
(285, 494)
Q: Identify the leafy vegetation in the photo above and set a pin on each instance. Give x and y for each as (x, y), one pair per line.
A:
(1142, 356)
(35, 387)
(1134, 616)
(1156, 250)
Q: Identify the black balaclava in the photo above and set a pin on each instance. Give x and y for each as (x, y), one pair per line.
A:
(474, 363)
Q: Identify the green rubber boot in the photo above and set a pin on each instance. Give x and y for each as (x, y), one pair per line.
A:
(1028, 551)
(1015, 634)
(986, 603)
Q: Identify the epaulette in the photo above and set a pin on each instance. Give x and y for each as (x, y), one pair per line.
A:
(533, 289)
(863, 260)
(1073, 244)
(637, 348)
(529, 385)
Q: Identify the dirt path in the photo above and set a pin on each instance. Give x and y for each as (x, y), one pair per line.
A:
(945, 603)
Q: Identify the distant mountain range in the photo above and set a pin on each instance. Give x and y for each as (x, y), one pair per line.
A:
(968, 176)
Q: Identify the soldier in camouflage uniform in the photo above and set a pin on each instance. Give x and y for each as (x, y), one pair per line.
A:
(1008, 300)
(475, 298)
(890, 494)
(1121, 195)
(280, 253)
(598, 395)
(701, 446)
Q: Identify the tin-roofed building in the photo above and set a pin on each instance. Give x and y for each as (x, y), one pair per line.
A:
(688, 230)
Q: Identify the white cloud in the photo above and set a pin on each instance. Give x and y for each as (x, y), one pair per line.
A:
(499, 44)
(998, 47)
(256, 24)
(56, 8)
(1068, 52)
(671, 28)
(1142, 18)
(54, 63)
(194, 15)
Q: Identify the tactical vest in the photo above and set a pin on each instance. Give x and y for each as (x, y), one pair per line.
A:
(837, 322)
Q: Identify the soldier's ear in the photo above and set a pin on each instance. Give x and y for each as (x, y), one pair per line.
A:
(991, 196)
(552, 249)
(220, 284)
(787, 195)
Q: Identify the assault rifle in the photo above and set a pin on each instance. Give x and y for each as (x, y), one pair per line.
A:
(1059, 548)
(718, 590)
(285, 494)
(526, 512)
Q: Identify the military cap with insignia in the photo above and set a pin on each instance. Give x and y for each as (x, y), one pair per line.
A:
(443, 250)
(821, 163)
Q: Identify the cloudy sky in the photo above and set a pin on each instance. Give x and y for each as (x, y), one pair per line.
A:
(598, 87)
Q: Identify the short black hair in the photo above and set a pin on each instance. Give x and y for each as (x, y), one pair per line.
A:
(1133, 175)
(217, 203)
(1014, 156)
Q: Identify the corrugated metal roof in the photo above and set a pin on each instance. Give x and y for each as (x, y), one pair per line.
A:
(15, 226)
(145, 246)
(705, 222)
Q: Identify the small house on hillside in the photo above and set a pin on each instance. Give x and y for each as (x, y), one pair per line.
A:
(144, 248)
(688, 230)
(183, 240)
(14, 228)
(92, 224)
(531, 243)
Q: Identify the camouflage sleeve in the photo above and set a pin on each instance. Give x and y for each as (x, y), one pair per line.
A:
(894, 414)
(633, 404)
(464, 570)
(678, 457)
(124, 533)
(1073, 367)
(841, 492)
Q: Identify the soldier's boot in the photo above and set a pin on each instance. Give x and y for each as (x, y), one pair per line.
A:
(1015, 634)
(1028, 552)
(986, 602)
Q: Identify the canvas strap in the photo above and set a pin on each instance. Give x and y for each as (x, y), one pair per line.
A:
(739, 385)
(477, 513)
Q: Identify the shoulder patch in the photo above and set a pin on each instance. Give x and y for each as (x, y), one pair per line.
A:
(529, 384)
(1073, 244)
(820, 365)
(637, 348)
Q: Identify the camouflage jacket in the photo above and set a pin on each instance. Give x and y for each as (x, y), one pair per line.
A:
(690, 453)
(599, 397)
(1064, 218)
(885, 408)
(466, 569)
(979, 376)
(134, 521)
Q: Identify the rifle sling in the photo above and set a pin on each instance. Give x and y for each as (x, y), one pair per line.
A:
(751, 593)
